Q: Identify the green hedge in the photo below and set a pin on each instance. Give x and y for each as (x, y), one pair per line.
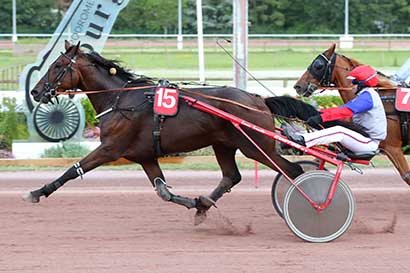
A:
(90, 120)
(13, 125)
(66, 150)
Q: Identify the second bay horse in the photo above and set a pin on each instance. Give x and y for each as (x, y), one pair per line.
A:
(330, 69)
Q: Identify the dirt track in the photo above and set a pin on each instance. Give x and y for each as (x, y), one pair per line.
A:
(114, 222)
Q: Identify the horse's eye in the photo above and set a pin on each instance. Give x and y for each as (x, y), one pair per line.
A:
(318, 65)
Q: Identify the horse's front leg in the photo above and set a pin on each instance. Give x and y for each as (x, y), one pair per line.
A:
(157, 179)
(396, 156)
(101, 155)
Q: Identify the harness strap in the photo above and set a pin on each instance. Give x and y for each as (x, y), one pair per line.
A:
(156, 134)
(404, 118)
(158, 121)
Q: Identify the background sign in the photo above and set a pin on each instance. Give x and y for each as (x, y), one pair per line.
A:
(86, 21)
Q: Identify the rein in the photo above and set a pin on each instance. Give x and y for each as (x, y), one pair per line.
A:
(350, 88)
(224, 100)
(104, 90)
(151, 86)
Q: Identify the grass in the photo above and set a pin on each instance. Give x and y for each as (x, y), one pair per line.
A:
(378, 162)
(140, 58)
(7, 59)
(257, 60)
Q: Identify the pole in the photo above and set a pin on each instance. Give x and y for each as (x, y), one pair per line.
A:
(14, 37)
(240, 42)
(180, 44)
(201, 59)
(346, 41)
(346, 17)
(256, 179)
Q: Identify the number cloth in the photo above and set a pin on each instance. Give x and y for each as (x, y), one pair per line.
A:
(166, 101)
(403, 99)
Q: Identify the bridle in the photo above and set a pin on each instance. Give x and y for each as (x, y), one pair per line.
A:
(322, 74)
(321, 69)
(51, 88)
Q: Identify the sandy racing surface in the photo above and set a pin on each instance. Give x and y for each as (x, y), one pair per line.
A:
(112, 221)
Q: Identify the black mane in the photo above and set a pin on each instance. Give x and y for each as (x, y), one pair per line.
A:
(289, 107)
(123, 73)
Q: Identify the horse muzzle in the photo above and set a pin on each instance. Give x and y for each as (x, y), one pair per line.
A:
(306, 89)
(36, 94)
(44, 97)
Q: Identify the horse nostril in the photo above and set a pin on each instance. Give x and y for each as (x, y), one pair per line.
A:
(297, 87)
(34, 92)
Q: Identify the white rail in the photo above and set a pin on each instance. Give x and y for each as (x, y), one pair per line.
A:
(389, 36)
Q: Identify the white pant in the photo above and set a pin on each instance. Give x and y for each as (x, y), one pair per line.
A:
(352, 140)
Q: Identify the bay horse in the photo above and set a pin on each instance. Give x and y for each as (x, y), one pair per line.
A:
(127, 125)
(329, 70)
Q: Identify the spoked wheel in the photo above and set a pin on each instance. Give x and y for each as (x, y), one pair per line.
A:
(57, 122)
(281, 185)
(305, 221)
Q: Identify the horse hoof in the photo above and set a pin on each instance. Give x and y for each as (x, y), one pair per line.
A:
(29, 197)
(200, 217)
(406, 177)
(207, 201)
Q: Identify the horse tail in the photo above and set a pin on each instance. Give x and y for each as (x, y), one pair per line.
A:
(289, 107)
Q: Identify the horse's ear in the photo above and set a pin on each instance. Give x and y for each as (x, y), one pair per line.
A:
(331, 49)
(329, 52)
(67, 45)
(76, 48)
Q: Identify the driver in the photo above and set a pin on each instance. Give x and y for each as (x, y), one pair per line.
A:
(366, 111)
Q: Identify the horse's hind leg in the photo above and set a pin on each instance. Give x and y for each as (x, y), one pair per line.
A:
(291, 169)
(157, 179)
(230, 177)
(101, 155)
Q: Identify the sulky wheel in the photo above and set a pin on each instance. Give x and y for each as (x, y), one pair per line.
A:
(326, 225)
(57, 122)
(281, 185)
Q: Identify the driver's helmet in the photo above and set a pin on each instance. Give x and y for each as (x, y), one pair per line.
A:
(364, 75)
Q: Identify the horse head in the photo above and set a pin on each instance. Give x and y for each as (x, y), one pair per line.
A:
(63, 74)
(328, 69)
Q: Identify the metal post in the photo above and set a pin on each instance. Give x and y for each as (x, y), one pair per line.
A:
(180, 44)
(201, 58)
(14, 37)
(240, 42)
(346, 41)
(346, 17)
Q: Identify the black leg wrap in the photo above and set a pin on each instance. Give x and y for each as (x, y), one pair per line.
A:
(406, 177)
(53, 186)
(189, 203)
(46, 190)
(166, 195)
(224, 186)
(162, 190)
(205, 202)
